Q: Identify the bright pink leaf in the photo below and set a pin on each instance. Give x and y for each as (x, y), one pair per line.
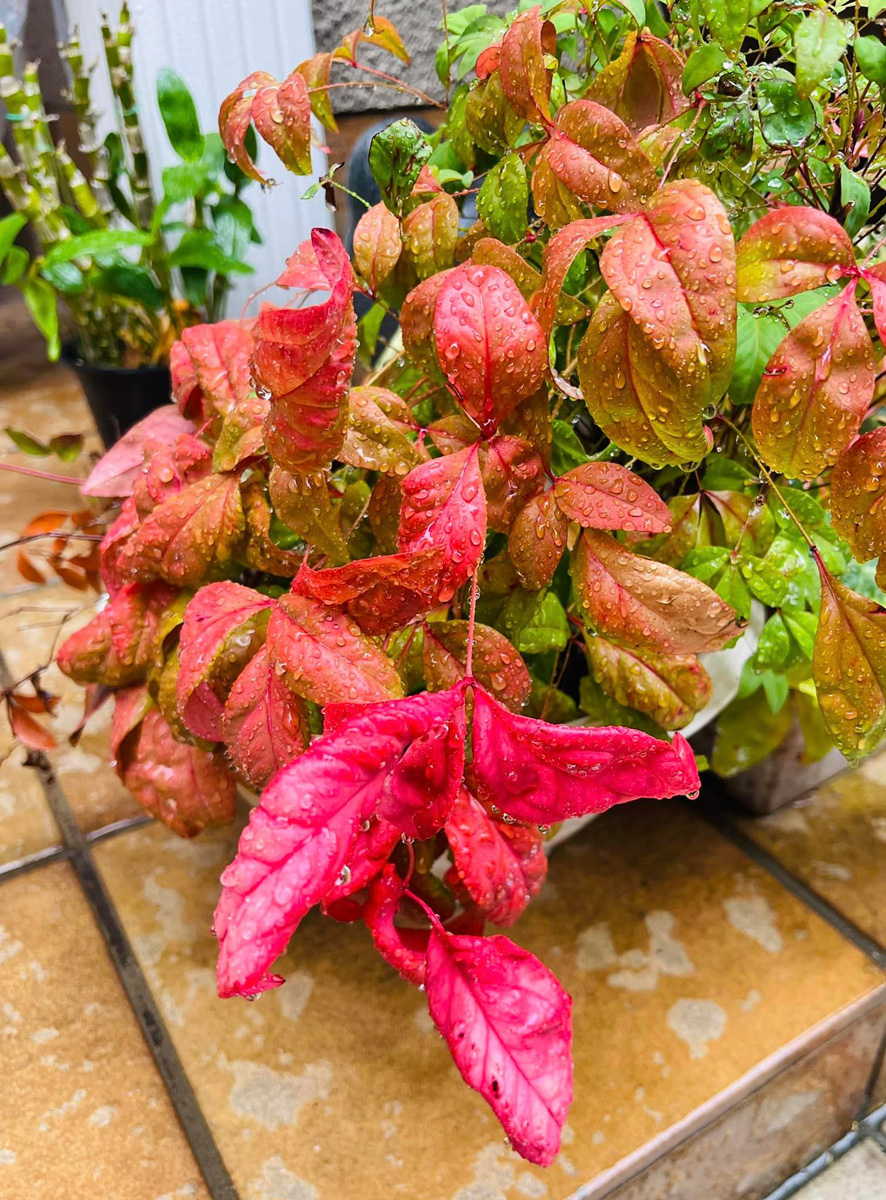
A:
(300, 837)
(500, 866)
(265, 725)
(304, 358)
(325, 656)
(444, 506)
(115, 472)
(489, 345)
(605, 495)
(404, 949)
(370, 850)
(540, 773)
(508, 1025)
(223, 620)
(875, 278)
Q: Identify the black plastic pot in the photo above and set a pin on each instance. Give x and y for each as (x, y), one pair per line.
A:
(118, 397)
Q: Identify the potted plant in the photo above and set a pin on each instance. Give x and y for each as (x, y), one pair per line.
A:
(628, 412)
(133, 269)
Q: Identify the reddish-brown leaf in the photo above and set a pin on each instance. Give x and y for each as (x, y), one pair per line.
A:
(791, 249)
(670, 689)
(316, 72)
(325, 657)
(500, 867)
(858, 485)
(281, 113)
(304, 358)
(525, 77)
(377, 437)
(25, 729)
(444, 507)
(489, 344)
(593, 155)
(644, 84)
(265, 725)
(235, 117)
(496, 663)
(605, 495)
(673, 270)
(513, 473)
(382, 593)
(377, 246)
(430, 232)
(643, 603)
(537, 540)
(559, 255)
(816, 389)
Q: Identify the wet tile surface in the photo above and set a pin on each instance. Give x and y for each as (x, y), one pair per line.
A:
(835, 841)
(83, 1112)
(682, 957)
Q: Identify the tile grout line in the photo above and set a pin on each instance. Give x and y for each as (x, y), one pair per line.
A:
(724, 825)
(40, 858)
(77, 850)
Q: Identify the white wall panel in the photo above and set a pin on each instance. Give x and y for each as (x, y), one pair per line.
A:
(213, 44)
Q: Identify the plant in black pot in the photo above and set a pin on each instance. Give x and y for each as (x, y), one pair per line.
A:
(131, 267)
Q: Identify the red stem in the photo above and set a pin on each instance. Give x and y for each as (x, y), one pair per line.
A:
(16, 470)
(428, 911)
(469, 661)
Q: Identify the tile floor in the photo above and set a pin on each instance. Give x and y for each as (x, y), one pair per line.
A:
(726, 1032)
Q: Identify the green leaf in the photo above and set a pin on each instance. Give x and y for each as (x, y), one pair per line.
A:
(17, 260)
(547, 628)
(179, 115)
(66, 446)
(763, 580)
(789, 555)
(776, 689)
(26, 442)
(550, 704)
(101, 241)
(704, 63)
(198, 248)
(503, 200)
(819, 42)
(855, 196)
(805, 507)
(786, 120)
(603, 710)
(368, 328)
(183, 182)
(773, 646)
(234, 229)
(705, 563)
(758, 336)
(64, 277)
(396, 157)
(747, 732)
(566, 449)
(732, 588)
(803, 626)
(870, 54)
(724, 474)
(10, 227)
(131, 282)
(40, 299)
(728, 20)
(637, 9)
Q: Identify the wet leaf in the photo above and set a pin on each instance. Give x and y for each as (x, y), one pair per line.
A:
(265, 726)
(790, 250)
(512, 474)
(381, 593)
(525, 76)
(304, 358)
(304, 503)
(430, 232)
(646, 604)
(691, 529)
(115, 472)
(819, 42)
(816, 389)
(747, 732)
(396, 157)
(377, 438)
(503, 199)
(858, 485)
(496, 662)
(643, 86)
(728, 20)
(406, 950)
(559, 255)
(670, 689)
(537, 540)
(281, 113)
(601, 495)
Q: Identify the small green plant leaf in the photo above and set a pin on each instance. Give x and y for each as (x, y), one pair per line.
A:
(396, 157)
(179, 115)
(503, 199)
(703, 64)
(819, 42)
(870, 54)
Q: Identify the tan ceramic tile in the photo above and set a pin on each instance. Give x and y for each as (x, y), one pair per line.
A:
(858, 1175)
(26, 824)
(835, 840)
(687, 964)
(31, 626)
(83, 1112)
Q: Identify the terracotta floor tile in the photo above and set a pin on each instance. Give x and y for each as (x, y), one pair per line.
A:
(31, 625)
(688, 967)
(83, 1112)
(835, 840)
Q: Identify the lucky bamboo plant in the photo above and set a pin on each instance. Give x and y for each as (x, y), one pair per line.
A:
(133, 269)
(631, 397)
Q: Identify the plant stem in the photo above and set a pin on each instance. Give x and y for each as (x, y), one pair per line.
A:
(469, 661)
(766, 472)
(17, 470)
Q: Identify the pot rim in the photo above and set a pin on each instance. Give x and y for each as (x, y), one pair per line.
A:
(70, 356)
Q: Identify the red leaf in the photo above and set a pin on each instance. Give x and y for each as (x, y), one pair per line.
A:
(495, 663)
(91, 656)
(537, 540)
(791, 249)
(444, 507)
(604, 495)
(370, 850)
(281, 113)
(489, 345)
(188, 534)
(184, 787)
(404, 949)
(500, 866)
(381, 594)
(816, 389)
(115, 473)
(265, 725)
(417, 322)
(512, 472)
(325, 656)
(304, 358)
(525, 78)
(673, 270)
(26, 730)
(644, 85)
(300, 837)
(593, 155)
(540, 773)
(508, 1025)
(377, 246)
(559, 255)
(875, 278)
(223, 622)
(856, 495)
(646, 604)
(210, 368)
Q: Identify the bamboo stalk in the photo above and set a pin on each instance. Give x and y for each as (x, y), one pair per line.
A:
(119, 59)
